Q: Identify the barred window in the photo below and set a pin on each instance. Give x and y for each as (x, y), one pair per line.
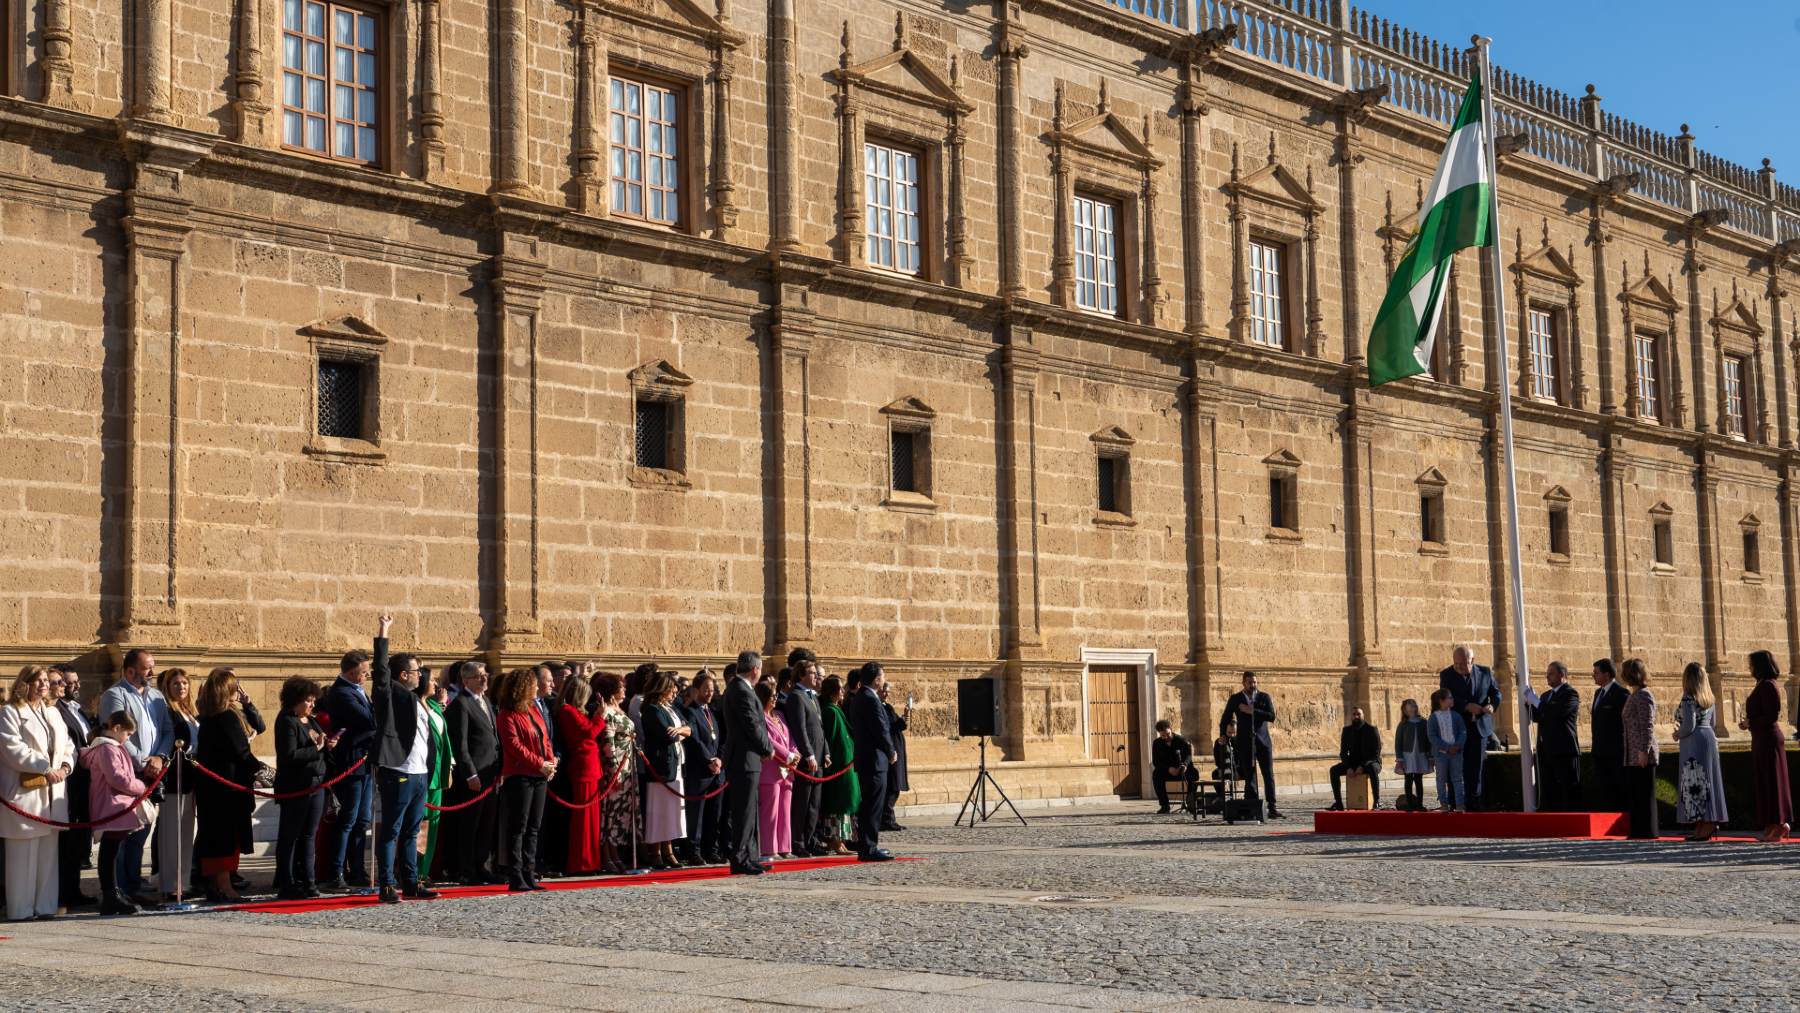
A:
(1266, 324)
(904, 459)
(653, 431)
(341, 399)
(1649, 374)
(646, 151)
(1096, 255)
(329, 85)
(1735, 371)
(1541, 325)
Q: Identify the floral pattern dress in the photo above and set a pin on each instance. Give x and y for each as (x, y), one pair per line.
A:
(1700, 786)
(619, 749)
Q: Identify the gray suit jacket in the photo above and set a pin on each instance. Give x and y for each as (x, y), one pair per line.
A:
(807, 725)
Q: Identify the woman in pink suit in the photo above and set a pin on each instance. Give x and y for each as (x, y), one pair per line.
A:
(775, 797)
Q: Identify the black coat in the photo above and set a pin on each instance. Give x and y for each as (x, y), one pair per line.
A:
(746, 730)
(700, 749)
(1608, 725)
(79, 778)
(1555, 715)
(660, 744)
(870, 730)
(474, 739)
(1261, 717)
(396, 713)
(1170, 755)
(801, 711)
(347, 709)
(298, 763)
(897, 726)
(1359, 744)
(222, 814)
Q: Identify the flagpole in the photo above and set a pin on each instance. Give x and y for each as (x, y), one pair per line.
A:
(1521, 662)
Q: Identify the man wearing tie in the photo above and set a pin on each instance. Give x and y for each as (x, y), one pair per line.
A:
(475, 753)
(807, 726)
(1558, 752)
(700, 768)
(1607, 728)
(1475, 695)
(746, 747)
(1254, 712)
(875, 758)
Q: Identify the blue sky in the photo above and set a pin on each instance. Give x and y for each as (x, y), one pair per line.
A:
(1730, 68)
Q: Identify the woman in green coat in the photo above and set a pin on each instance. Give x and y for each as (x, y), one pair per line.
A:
(841, 795)
(436, 696)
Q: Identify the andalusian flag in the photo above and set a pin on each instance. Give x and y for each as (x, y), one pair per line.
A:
(1455, 216)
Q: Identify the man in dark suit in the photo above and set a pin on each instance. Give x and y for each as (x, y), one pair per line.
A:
(875, 757)
(1558, 752)
(74, 847)
(1254, 712)
(403, 758)
(1359, 752)
(347, 709)
(700, 766)
(1607, 738)
(1475, 695)
(807, 726)
(897, 721)
(746, 747)
(468, 835)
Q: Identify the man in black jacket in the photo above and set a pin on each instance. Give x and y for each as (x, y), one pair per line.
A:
(800, 708)
(875, 757)
(467, 836)
(1607, 742)
(1171, 759)
(700, 766)
(402, 756)
(1254, 712)
(1359, 752)
(74, 847)
(1558, 752)
(746, 747)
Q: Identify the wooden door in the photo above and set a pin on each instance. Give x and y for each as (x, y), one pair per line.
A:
(1112, 721)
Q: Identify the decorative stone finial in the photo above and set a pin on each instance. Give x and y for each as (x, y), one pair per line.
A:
(1234, 161)
(1546, 232)
(1590, 90)
(1105, 99)
(899, 30)
(1057, 117)
(844, 40)
(1271, 147)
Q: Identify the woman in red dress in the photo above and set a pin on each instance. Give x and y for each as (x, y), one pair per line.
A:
(1768, 748)
(581, 763)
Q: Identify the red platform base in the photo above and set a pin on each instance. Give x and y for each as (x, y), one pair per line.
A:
(1391, 823)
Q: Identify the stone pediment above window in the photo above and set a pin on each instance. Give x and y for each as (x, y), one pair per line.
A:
(1557, 494)
(1282, 459)
(1114, 437)
(1651, 291)
(348, 328)
(1431, 478)
(902, 74)
(1546, 263)
(912, 408)
(1273, 184)
(680, 17)
(1103, 134)
(659, 375)
(1736, 316)
(1662, 511)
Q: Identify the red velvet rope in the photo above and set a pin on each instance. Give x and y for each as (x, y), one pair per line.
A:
(485, 792)
(668, 786)
(90, 824)
(821, 780)
(280, 796)
(590, 803)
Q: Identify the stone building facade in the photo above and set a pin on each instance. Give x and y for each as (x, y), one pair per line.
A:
(1016, 339)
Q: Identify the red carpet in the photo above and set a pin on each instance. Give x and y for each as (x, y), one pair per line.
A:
(338, 902)
(1392, 823)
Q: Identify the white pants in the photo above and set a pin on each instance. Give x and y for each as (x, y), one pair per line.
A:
(31, 885)
(174, 827)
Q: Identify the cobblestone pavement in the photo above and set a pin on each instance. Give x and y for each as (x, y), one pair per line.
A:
(1104, 908)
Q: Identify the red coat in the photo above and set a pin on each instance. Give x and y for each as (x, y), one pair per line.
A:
(524, 743)
(581, 765)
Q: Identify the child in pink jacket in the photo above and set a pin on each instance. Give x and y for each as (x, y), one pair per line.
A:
(113, 787)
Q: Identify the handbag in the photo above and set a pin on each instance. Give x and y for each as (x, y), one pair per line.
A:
(33, 782)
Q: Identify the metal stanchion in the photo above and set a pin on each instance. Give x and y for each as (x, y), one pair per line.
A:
(180, 903)
(631, 764)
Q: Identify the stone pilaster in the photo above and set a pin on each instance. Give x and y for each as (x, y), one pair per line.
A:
(1020, 612)
(248, 106)
(1009, 51)
(432, 146)
(1359, 537)
(511, 87)
(156, 224)
(790, 351)
(591, 183)
(1205, 577)
(517, 287)
(784, 116)
(1712, 615)
(1353, 111)
(850, 161)
(724, 182)
(1193, 198)
(153, 95)
(1777, 292)
(1153, 294)
(1790, 559)
(58, 61)
(1615, 557)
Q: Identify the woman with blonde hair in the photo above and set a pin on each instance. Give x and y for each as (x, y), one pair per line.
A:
(1639, 718)
(175, 820)
(1699, 783)
(223, 811)
(36, 757)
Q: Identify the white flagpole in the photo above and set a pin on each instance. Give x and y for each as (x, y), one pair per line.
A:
(1521, 662)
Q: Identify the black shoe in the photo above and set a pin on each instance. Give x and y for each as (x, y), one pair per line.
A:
(79, 900)
(1164, 811)
(239, 883)
(747, 870)
(711, 858)
(310, 892)
(389, 895)
(878, 855)
(358, 882)
(419, 891)
(334, 886)
(1336, 807)
(117, 905)
(889, 828)
(1274, 814)
(517, 884)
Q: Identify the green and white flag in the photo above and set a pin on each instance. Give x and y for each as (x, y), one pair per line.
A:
(1455, 216)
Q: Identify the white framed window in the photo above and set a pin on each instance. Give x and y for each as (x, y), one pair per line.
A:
(1267, 326)
(891, 196)
(1648, 348)
(329, 79)
(1541, 333)
(1096, 254)
(645, 143)
(1735, 370)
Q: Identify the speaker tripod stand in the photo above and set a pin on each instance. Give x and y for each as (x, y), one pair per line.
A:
(976, 806)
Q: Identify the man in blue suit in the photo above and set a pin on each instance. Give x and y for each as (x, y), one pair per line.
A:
(875, 757)
(347, 706)
(1475, 695)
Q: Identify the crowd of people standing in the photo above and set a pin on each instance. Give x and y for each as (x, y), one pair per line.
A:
(546, 770)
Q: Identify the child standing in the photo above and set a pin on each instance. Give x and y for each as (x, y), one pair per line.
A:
(1412, 752)
(112, 789)
(1448, 737)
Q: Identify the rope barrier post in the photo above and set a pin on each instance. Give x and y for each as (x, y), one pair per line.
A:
(180, 904)
(636, 869)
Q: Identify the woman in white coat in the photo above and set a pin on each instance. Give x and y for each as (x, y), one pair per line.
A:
(36, 756)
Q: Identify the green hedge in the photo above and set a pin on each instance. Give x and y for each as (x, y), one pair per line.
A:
(1502, 781)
